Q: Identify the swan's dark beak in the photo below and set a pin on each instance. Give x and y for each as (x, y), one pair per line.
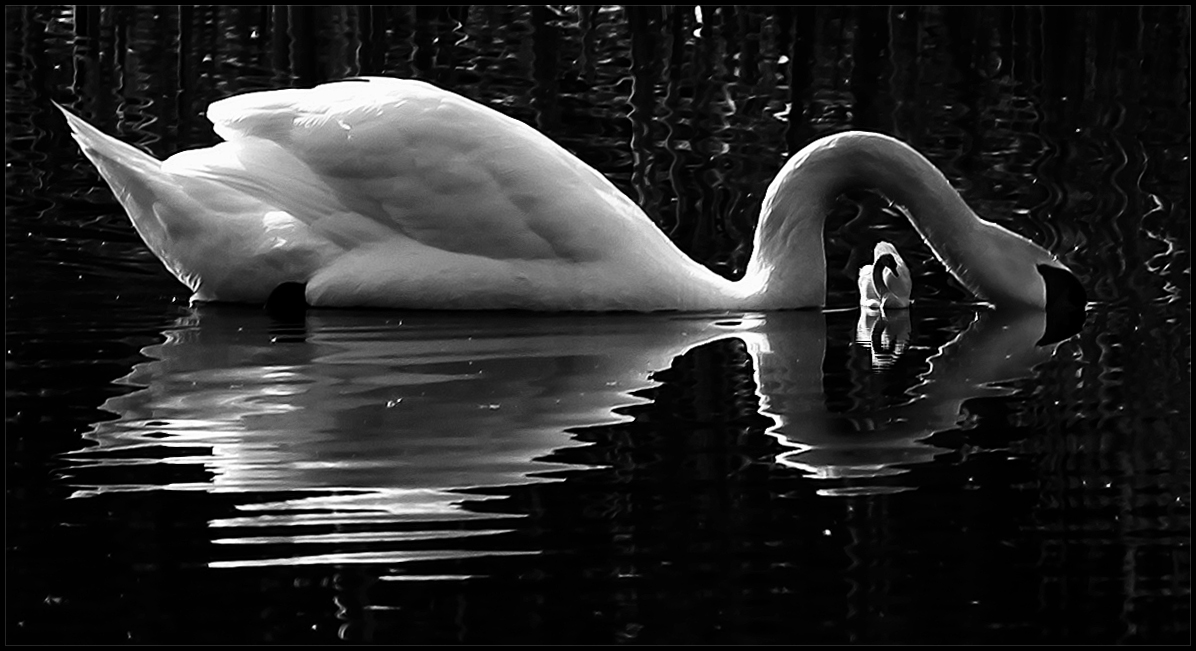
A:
(1065, 303)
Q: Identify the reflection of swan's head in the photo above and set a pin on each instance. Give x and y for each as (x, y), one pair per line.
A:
(884, 334)
(886, 283)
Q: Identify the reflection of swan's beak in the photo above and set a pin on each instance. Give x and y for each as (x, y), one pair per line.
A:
(878, 439)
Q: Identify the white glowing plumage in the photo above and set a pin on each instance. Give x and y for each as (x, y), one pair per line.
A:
(394, 193)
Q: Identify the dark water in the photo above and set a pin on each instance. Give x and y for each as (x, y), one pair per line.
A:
(188, 474)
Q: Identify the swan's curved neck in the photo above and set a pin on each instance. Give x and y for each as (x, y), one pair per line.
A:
(788, 266)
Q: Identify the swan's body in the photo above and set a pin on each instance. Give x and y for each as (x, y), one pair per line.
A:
(885, 284)
(394, 193)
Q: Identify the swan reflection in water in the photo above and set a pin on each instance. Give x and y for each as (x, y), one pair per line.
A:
(385, 416)
(884, 334)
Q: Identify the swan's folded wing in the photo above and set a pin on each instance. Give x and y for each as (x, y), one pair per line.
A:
(431, 166)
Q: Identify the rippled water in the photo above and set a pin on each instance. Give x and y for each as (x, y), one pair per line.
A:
(198, 474)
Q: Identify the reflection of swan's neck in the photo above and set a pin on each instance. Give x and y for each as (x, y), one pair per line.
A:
(789, 264)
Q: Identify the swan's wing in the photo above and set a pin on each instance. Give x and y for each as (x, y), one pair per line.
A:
(362, 160)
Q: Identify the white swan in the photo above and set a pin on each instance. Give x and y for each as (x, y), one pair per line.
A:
(394, 193)
(886, 283)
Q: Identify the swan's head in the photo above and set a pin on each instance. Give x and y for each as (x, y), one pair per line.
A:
(886, 283)
(1009, 270)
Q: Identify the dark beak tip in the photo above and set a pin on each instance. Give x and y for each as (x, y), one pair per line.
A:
(1066, 303)
(1063, 289)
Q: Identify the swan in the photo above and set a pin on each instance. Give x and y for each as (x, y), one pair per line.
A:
(382, 192)
(886, 282)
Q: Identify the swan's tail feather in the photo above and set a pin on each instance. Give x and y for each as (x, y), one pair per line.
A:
(205, 219)
(120, 164)
(139, 183)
